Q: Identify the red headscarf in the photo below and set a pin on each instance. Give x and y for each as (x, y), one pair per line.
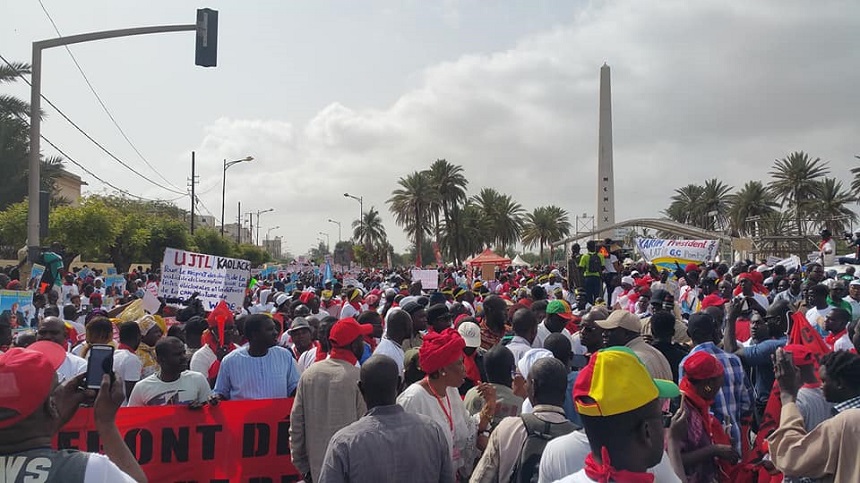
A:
(220, 316)
(440, 349)
(756, 278)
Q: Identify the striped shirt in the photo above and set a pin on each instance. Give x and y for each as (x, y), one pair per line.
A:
(243, 376)
(735, 397)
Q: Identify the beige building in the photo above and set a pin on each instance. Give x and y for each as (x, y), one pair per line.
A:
(69, 187)
(273, 247)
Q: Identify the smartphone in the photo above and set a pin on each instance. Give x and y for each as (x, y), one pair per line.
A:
(99, 363)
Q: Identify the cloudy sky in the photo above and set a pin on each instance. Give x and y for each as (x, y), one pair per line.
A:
(335, 96)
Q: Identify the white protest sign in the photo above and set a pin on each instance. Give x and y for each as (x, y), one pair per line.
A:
(667, 252)
(215, 278)
(429, 278)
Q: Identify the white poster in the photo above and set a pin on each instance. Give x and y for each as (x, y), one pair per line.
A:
(214, 278)
(429, 278)
(667, 253)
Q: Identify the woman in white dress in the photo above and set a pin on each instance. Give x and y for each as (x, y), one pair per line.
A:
(441, 358)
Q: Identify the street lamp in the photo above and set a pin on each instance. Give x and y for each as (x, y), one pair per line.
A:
(224, 187)
(360, 212)
(258, 222)
(327, 241)
(270, 231)
(338, 229)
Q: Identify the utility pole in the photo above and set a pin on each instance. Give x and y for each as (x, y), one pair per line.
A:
(193, 197)
(239, 224)
(251, 228)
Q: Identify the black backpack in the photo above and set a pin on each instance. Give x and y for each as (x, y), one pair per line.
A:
(594, 263)
(538, 434)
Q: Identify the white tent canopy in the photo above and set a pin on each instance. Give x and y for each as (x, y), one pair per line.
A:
(519, 262)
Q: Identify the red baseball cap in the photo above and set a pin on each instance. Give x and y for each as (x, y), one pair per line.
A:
(27, 378)
(344, 331)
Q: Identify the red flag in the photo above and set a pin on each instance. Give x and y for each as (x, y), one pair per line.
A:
(803, 333)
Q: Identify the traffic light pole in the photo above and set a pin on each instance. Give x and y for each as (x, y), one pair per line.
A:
(33, 243)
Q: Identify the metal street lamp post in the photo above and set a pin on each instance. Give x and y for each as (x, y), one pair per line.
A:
(339, 238)
(224, 187)
(327, 241)
(360, 200)
(258, 222)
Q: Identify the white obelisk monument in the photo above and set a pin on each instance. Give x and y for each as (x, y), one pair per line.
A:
(605, 177)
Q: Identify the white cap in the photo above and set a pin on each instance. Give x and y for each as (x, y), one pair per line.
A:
(529, 358)
(471, 333)
(628, 280)
(281, 298)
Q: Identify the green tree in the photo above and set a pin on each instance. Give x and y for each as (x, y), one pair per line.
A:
(855, 183)
(13, 226)
(543, 225)
(749, 205)
(715, 205)
(369, 230)
(831, 206)
(88, 230)
(795, 184)
(254, 254)
(165, 233)
(465, 233)
(450, 185)
(504, 217)
(410, 204)
(686, 205)
(208, 240)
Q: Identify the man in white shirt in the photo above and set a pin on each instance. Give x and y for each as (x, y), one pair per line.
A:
(827, 249)
(836, 323)
(525, 326)
(52, 329)
(126, 364)
(173, 383)
(398, 329)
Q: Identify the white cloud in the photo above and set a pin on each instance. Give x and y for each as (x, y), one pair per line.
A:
(700, 90)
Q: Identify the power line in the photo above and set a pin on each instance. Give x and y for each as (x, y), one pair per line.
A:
(73, 161)
(101, 102)
(91, 138)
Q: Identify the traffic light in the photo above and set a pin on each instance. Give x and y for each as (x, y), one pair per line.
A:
(206, 52)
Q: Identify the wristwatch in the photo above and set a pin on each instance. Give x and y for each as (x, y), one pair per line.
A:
(485, 432)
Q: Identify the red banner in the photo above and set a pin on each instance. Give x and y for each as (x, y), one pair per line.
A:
(240, 441)
(803, 333)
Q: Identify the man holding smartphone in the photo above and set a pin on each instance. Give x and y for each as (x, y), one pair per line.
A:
(33, 407)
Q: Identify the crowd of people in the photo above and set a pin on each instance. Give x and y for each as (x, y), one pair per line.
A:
(602, 370)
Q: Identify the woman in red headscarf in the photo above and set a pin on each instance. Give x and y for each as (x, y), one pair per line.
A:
(441, 358)
(706, 452)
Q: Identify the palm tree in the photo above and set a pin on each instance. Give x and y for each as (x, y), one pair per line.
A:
(831, 206)
(450, 186)
(410, 204)
(369, 229)
(749, 205)
(686, 206)
(544, 225)
(10, 106)
(855, 183)
(795, 183)
(504, 217)
(715, 204)
(466, 232)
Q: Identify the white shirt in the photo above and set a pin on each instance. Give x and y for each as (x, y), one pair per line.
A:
(307, 358)
(609, 263)
(348, 311)
(518, 346)
(828, 253)
(565, 455)
(843, 343)
(543, 333)
(816, 316)
(101, 469)
(202, 360)
(388, 347)
(127, 366)
(152, 391)
(71, 367)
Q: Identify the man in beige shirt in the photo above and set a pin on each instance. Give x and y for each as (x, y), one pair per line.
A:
(327, 398)
(546, 385)
(829, 451)
(622, 328)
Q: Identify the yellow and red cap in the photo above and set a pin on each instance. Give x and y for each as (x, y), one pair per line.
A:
(615, 381)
